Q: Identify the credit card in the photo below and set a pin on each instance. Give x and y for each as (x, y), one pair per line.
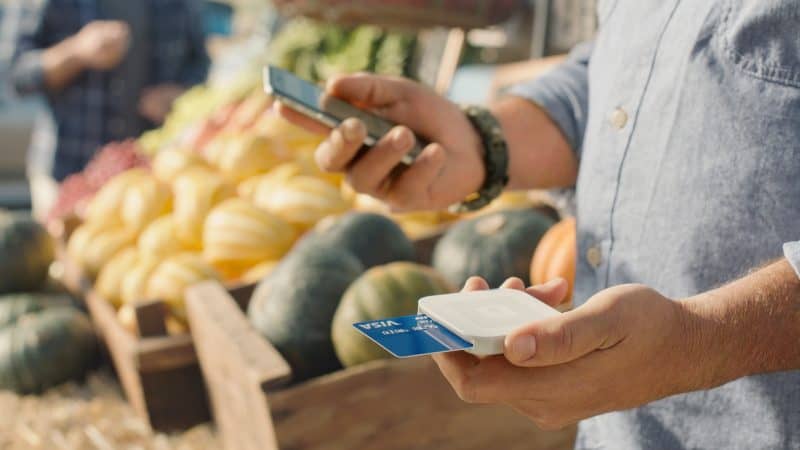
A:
(413, 335)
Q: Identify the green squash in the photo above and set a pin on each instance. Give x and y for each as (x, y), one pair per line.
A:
(26, 251)
(294, 306)
(495, 247)
(384, 291)
(42, 342)
(373, 238)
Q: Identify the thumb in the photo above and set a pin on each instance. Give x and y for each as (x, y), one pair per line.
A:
(563, 338)
(367, 90)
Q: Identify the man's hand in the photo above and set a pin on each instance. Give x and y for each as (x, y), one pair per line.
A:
(446, 172)
(626, 346)
(101, 44)
(156, 102)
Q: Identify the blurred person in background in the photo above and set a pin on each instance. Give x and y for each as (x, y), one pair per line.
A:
(109, 70)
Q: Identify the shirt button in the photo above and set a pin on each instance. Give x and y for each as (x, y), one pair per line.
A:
(619, 118)
(594, 256)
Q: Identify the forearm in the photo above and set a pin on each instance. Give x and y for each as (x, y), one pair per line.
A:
(539, 155)
(61, 64)
(747, 327)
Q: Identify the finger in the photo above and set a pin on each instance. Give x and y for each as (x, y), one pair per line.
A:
(370, 174)
(367, 90)
(301, 120)
(554, 292)
(475, 284)
(513, 283)
(483, 380)
(412, 188)
(563, 338)
(343, 144)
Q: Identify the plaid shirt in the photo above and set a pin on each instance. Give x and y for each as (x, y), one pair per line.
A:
(87, 112)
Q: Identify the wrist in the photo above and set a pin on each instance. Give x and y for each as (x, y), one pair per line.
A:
(710, 353)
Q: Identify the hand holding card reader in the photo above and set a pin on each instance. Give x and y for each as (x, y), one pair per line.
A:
(311, 101)
(476, 322)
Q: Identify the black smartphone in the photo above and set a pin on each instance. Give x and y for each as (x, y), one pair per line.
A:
(311, 101)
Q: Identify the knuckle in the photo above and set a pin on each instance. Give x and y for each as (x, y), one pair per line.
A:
(564, 341)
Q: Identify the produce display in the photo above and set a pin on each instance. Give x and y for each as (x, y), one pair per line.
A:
(26, 251)
(384, 291)
(496, 246)
(555, 255)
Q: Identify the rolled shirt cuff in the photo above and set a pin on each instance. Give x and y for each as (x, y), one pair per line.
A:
(791, 250)
(28, 73)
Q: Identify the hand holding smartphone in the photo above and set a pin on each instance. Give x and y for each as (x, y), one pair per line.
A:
(311, 101)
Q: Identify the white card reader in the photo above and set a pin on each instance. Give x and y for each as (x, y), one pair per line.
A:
(484, 318)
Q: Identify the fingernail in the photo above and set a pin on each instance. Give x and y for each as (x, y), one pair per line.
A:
(523, 348)
(553, 283)
(351, 129)
(401, 139)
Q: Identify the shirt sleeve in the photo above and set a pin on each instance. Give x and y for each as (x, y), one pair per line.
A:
(196, 68)
(564, 94)
(791, 250)
(25, 20)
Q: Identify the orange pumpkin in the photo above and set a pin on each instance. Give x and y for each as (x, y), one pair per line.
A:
(555, 255)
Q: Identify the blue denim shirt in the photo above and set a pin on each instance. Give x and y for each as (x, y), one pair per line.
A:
(686, 119)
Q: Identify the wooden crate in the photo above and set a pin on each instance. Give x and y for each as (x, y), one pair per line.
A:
(159, 373)
(386, 405)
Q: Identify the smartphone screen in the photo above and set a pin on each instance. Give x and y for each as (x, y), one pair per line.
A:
(308, 99)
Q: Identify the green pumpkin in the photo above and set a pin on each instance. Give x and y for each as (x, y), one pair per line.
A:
(42, 342)
(26, 251)
(495, 247)
(373, 238)
(294, 306)
(384, 291)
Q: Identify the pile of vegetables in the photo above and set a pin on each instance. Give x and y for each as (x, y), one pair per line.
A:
(44, 339)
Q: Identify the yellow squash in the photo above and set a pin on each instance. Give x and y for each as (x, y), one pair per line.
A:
(172, 276)
(109, 281)
(238, 235)
(196, 191)
(303, 201)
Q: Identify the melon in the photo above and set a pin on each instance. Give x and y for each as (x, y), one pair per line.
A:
(373, 238)
(495, 247)
(294, 306)
(42, 343)
(26, 251)
(384, 291)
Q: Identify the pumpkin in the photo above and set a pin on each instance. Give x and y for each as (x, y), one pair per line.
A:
(373, 238)
(238, 235)
(239, 157)
(196, 191)
(303, 201)
(495, 247)
(168, 164)
(160, 238)
(294, 306)
(172, 276)
(26, 251)
(384, 291)
(105, 208)
(145, 201)
(92, 246)
(555, 255)
(42, 343)
(109, 280)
